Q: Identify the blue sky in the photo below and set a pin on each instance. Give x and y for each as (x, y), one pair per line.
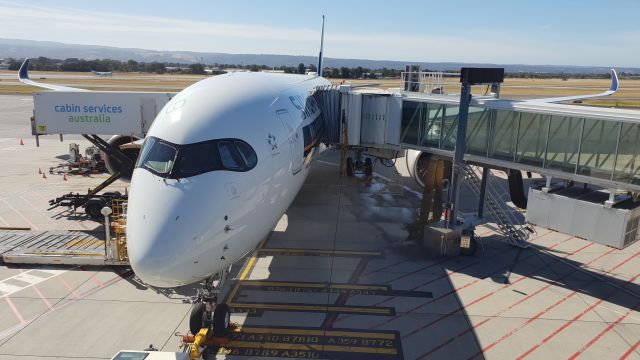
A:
(587, 32)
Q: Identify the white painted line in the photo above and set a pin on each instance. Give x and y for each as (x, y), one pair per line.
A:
(30, 280)
(8, 289)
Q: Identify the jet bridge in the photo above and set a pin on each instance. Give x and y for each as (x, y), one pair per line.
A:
(590, 145)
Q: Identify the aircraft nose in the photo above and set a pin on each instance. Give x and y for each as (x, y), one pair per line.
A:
(166, 239)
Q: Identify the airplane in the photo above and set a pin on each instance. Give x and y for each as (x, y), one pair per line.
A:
(219, 166)
(102, 73)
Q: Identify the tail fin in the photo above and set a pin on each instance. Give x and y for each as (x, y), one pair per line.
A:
(321, 46)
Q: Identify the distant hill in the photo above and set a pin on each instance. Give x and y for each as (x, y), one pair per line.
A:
(29, 48)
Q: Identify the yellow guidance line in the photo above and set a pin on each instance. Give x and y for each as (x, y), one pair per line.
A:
(314, 285)
(294, 331)
(310, 347)
(323, 308)
(318, 251)
(245, 272)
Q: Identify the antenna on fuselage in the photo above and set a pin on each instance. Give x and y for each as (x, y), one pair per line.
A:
(321, 46)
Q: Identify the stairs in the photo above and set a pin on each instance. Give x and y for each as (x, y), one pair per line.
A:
(511, 227)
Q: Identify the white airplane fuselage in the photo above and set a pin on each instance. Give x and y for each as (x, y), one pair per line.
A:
(199, 199)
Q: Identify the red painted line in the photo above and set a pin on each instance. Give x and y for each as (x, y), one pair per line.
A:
(487, 296)
(33, 226)
(526, 298)
(331, 318)
(529, 321)
(92, 276)
(630, 351)
(603, 332)
(538, 315)
(4, 221)
(453, 291)
(15, 310)
(66, 284)
(460, 308)
(577, 251)
(42, 296)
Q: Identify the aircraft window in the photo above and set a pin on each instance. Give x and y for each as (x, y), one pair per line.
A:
(230, 156)
(157, 156)
(248, 155)
(197, 159)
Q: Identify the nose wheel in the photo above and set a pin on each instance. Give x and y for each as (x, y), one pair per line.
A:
(209, 321)
(206, 311)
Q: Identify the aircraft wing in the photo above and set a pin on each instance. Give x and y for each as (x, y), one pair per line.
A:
(612, 90)
(23, 76)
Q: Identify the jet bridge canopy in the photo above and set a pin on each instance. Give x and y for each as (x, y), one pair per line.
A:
(598, 146)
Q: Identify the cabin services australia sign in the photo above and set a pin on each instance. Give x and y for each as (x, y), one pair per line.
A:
(96, 112)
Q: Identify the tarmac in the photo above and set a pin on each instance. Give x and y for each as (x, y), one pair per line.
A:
(336, 279)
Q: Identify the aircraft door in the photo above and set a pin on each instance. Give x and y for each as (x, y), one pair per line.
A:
(296, 144)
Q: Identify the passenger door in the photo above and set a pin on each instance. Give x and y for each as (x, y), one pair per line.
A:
(295, 143)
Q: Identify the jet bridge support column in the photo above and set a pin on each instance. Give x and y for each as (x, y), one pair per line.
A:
(468, 77)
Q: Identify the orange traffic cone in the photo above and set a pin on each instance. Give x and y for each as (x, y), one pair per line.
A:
(21, 142)
(39, 171)
(64, 177)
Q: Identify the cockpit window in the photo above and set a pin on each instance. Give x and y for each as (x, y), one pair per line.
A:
(198, 158)
(170, 160)
(248, 155)
(158, 156)
(230, 156)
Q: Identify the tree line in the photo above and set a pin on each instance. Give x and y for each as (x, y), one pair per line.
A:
(81, 65)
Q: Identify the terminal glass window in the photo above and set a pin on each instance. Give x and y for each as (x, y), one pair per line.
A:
(564, 140)
(411, 118)
(505, 132)
(532, 138)
(628, 161)
(597, 152)
(478, 130)
(449, 127)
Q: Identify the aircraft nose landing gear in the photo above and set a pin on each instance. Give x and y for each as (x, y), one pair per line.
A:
(209, 321)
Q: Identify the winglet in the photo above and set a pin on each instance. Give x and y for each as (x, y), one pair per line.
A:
(614, 81)
(613, 88)
(23, 76)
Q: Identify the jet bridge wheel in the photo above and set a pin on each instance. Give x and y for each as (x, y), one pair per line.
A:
(221, 319)
(195, 319)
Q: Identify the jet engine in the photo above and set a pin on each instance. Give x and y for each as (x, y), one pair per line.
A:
(416, 162)
(130, 147)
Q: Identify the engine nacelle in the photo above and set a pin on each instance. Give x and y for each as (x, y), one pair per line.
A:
(416, 165)
(128, 148)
